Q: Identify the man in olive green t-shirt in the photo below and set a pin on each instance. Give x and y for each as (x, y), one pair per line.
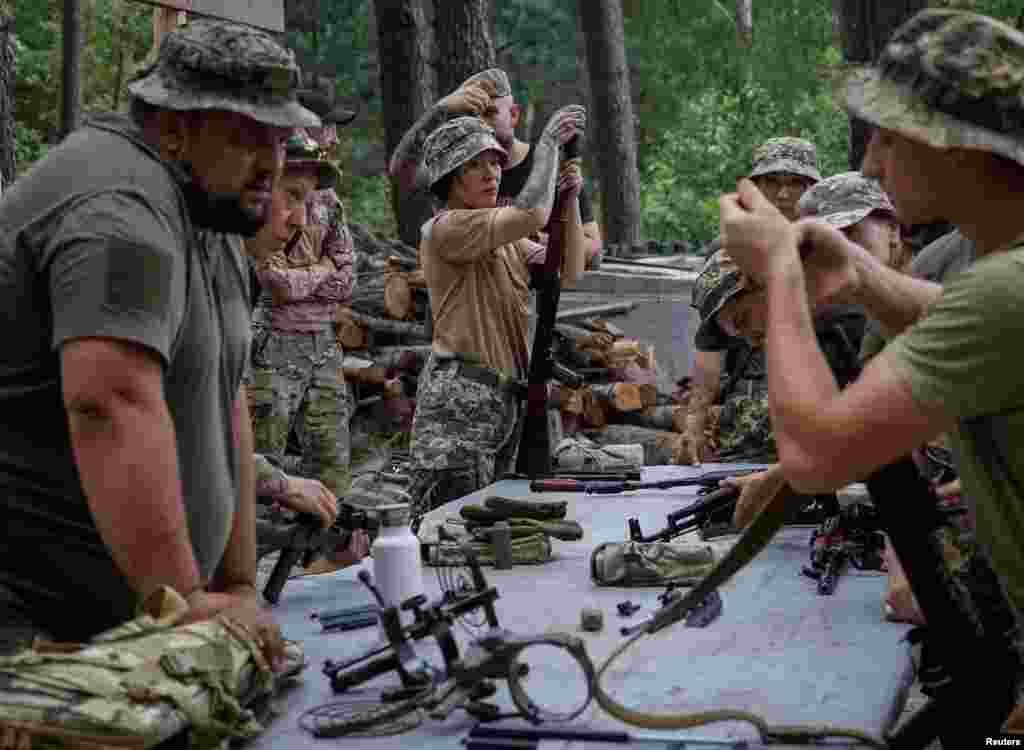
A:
(954, 362)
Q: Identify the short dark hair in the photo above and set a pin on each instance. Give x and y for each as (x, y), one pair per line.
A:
(140, 110)
(442, 187)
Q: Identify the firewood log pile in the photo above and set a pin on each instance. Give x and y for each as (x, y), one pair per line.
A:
(385, 332)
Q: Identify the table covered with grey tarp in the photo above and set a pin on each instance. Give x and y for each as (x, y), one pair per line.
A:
(779, 649)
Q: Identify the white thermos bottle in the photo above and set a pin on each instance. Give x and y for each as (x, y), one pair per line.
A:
(397, 566)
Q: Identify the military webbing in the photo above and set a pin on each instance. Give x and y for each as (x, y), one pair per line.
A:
(754, 539)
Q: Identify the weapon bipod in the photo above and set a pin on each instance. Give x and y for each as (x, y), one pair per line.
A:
(466, 679)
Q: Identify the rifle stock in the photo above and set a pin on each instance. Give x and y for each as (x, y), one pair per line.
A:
(534, 456)
(982, 667)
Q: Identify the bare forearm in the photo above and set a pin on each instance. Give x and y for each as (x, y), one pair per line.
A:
(127, 460)
(796, 394)
(237, 568)
(894, 299)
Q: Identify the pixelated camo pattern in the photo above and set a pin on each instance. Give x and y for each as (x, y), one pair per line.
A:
(221, 65)
(296, 382)
(455, 143)
(950, 79)
(719, 281)
(845, 199)
(496, 80)
(463, 436)
(794, 155)
(140, 678)
(649, 564)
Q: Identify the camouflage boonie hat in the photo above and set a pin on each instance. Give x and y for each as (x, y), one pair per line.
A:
(793, 155)
(455, 143)
(845, 199)
(228, 66)
(720, 281)
(949, 79)
(302, 152)
(496, 78)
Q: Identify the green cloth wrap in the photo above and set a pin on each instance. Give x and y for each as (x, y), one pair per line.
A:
(649, 563)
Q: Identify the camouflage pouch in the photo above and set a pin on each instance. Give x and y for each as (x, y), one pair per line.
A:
(137, 685)
(503, 508)
(567, 531)
(531, 550)
(649, 564)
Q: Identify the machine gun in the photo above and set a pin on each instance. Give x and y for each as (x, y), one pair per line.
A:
(466, 679)
(853, 535)
(534, 456)
(305, 538)
(708, 480)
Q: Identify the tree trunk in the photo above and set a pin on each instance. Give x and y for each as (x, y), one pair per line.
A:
(7, 62)
(865, 26)
(405, 42)
(462, 29)
(611, 120)
(745, 23)
(71, 89)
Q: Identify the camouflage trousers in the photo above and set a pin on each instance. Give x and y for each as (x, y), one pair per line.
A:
(464, 435)
(297, 383)
(745, 429)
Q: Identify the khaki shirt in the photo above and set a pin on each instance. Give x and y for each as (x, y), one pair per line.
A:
(479, 293)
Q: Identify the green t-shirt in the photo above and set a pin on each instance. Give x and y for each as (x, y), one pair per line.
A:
(964, 359)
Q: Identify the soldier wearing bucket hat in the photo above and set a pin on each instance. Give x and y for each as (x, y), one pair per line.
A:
(127, 461)
(783, 168)
(947, 103)
(474, 255)
(296, 383)
(487, 95)
(857, 206)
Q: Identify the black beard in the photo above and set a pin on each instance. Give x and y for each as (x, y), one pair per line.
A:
(219, 212)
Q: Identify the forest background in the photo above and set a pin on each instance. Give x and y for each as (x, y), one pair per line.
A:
(703, 95)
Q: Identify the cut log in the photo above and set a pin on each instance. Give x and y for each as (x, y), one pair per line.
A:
(347, 331)
(633, 373)
(394, 388)
(617, 397)
(667, 418)
(569, 400)
(604, 326)
(365, 375)
(646, 359)
(411, 358)
(593, 412)
(580, 313)
(398, 302)
(408, 329)
(660, 447)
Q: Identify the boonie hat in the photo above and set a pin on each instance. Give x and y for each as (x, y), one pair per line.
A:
(845, 199)
(793, 155)
(950, 79)
(221, 65)
(455, 143)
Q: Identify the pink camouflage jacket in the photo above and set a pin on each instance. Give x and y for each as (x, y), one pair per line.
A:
(307, 283)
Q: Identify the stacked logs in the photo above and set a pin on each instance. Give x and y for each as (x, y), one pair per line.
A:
(385, 332)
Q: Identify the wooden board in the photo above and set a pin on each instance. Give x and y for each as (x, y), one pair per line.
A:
(264, 14)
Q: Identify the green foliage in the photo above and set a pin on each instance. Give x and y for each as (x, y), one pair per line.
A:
(369, 203)
(28, 146)
(702, 101)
